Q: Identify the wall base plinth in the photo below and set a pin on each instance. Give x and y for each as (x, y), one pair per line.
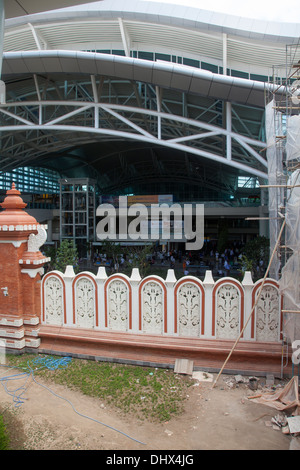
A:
(13, 344)
(32, 331)
(12, 332)
(32, 343)
(11, 320)
(31, 320)
(249, 357)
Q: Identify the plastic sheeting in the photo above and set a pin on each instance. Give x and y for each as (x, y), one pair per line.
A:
(289, 282)
(293, 138)
(275, 173)
(283, 400)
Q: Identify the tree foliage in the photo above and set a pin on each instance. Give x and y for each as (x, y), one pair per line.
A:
(255, 256)
(135, 256)
(140, 258)
(66, 255)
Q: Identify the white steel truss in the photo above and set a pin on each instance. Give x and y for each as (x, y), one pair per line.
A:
(41, 122)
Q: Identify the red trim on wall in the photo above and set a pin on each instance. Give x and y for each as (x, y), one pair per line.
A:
(108, 281)
(51, 274)
(96, 295)
(275, 284)
(218, 284)
(198, 284)
(158, 281)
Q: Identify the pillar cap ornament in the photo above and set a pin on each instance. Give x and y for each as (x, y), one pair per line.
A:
(13, 199)
(15, 223)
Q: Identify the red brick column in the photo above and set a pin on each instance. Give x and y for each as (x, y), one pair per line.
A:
(21, 267)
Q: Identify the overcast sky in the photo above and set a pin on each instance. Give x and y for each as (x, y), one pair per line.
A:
(274, 10)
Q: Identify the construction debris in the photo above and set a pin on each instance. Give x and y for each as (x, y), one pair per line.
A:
(239, 379)
(287, 401)
(294, 424)
(283, 400)
(183, 366)
(253, 383)
(279, 420)
(270, 380)
(202, 376)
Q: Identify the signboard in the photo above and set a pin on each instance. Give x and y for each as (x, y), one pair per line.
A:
(146, 200)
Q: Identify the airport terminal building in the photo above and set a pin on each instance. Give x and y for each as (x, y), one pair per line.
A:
(148, 103)
(137, 98)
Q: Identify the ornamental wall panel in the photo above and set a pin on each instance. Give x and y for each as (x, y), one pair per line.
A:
(118, 308)
(267, 312)
(84, 302)
(189, 308)
(153, 317)
(228, 309)
(53, 300)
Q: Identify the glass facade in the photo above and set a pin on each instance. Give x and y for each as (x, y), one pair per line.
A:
(248, 182)
(31, 180)
(156, 56)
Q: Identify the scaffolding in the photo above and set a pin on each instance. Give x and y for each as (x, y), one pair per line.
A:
(283, 156)
(282, 122)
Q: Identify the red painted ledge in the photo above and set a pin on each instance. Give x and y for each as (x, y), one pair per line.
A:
(247, 356)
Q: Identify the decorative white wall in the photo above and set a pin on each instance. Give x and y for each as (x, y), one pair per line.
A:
(187, 307)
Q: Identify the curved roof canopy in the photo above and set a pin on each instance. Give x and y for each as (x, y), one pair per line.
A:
(14, 8)
(125, 91)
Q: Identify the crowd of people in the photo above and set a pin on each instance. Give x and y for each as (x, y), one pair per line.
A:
(208, 257)
(190, 262)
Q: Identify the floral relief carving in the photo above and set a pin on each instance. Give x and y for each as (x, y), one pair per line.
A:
(227, 312)
(152, 296)
(54, 303)
(118, 305)
(267, 314)
(85, 303)
(189, 310)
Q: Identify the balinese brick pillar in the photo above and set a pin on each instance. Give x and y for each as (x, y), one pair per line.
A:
(21, 267)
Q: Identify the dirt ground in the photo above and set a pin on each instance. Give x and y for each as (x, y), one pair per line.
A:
(215, 418)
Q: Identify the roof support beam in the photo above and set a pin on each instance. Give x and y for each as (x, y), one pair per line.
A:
(202, 135)
(57, 122)
(68, 115)
(35, 36)
(229, 129)
(151, 139)
(96, 100)
(224, 36)
(125, 37)
(126, 121)
(158, 103)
